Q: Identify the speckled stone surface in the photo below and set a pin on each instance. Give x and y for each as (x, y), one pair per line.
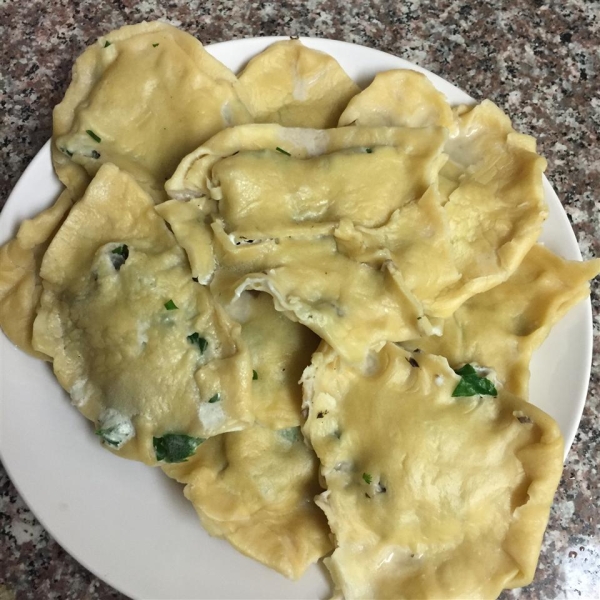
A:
(538, 60)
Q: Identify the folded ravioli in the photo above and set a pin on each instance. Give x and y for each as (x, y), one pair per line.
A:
(399, 98)
(142, 98)
(20, 285)
(280, 349)
(416, 239)
(295, 86)
(353, 306)
(428, 496)
(191, 226)
(193, 175)
(497, 209)
(493, 181)
(142, 349)
(502, 327)
(268, 194)
(255, 488)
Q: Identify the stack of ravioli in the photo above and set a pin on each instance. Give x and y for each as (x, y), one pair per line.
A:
(314, 306)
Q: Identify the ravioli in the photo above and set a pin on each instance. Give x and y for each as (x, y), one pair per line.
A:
(416, 239)
(191, 227)
(255, 488)
(280, 349)
(267, 194)
(493, 181)
(192, 177)
(295, 86)
(502, 327)
(399, 98)
(142, 98)
(20, 285)
(356, 308)
(497, 210)
(143, 351)
(428, 496)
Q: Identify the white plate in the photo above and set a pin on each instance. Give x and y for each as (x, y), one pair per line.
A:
(128, 523)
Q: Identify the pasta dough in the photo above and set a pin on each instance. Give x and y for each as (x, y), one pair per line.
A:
(141, 348)
(20, 285)
(502, 327)
(192, 176)
(351, 305)
(295, 86)
(279, 351)
(496, 212)
(267, 194)
(428, 496)
(493, 181)
(255, 488)
(142, 98)
(399, 98)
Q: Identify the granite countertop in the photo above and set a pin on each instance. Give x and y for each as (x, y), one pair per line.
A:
(538, 60)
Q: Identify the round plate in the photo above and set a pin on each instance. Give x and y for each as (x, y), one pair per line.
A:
(129, 524)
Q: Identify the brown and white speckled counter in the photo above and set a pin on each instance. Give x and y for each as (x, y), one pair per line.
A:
(538, 60)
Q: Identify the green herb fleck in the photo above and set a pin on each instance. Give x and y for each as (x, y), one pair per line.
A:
(108, 436)
(291, 434)
(67, 152)
(114, 428)
(93, 135)
(471, 384)
(215, 398)
(175, 447)
(95, 154)
(106, 44)
(199, 341)
(367, 478)
(282, 151)
(170, 305)
(369, 150)
(119, 255)
(154, 45)
(254, 375)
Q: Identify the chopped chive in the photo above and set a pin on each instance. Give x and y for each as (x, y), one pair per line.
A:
(119, 255)
(154, 45)
(93, 135)
(67, 152)
(254, 375)
(471, 384)
(175, 447)
(106, 435)
(195, 338)
(170, 305)
(282, 151)
(106, 44)
(95, 154)
(367, 478)
(369, 150)
(215, 398)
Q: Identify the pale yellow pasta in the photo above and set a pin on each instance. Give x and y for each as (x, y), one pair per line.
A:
(255, 488)
(501, 328)
(141, 348)
(295, 86)
(141, 97)
(20, 285)
(428, 496)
